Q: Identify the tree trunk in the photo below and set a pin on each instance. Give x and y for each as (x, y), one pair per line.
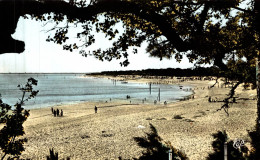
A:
(258, 90)
(257, 29)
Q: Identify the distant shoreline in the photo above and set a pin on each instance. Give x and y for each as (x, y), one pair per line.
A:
(44, 73)
(156, 79)
(170, 72)
(204, 82)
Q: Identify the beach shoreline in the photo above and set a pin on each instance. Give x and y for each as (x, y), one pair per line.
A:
(108, 134)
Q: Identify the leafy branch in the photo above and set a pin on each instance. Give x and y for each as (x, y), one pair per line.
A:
(231, 94)
(13, 122)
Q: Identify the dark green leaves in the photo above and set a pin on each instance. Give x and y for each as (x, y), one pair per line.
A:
(13, 121)
(218, 146)
(156, 148)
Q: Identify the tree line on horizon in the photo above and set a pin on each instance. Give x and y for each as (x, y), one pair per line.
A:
(171, 72)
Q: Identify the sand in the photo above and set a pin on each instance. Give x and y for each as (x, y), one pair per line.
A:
(82, 134)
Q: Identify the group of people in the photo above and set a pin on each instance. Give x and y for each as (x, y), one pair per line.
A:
(57, 113)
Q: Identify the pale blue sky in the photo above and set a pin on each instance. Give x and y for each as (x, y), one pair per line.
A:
(42, 56)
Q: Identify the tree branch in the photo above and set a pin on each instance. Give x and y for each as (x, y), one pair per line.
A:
(225, 106)
(88, 13)
(244, 10)
(3, 156)
(215, 83)
(203, 16)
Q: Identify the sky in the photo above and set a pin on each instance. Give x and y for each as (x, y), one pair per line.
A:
(46, 57)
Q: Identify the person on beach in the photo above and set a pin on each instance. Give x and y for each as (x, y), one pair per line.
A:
(234, 99)
(95, 109)
(61, 112)
(54, 112)
(58, 112)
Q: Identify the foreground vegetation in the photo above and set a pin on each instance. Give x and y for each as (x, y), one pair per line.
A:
(13, 118)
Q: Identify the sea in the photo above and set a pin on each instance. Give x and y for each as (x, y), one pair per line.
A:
(59, 89)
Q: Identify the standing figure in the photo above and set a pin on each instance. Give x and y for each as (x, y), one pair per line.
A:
(61, 113)
(95, 109)
(234, 99)
(54, 112)
(58, 112)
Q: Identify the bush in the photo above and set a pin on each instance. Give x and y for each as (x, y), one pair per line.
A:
(54, 155)
(255, 143)
(155, 148)
(13, 122)
(218, 147)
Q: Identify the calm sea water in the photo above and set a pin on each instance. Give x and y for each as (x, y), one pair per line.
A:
(57, 89)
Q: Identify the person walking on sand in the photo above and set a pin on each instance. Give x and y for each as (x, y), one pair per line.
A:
(58, 112)
(61, 112)
(54, 112)
(95, 109)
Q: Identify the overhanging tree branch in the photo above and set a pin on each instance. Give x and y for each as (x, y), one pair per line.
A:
(88, 13)
(225, 106)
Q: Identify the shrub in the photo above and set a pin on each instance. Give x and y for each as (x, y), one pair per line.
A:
(155, 148)
(54, 155)
(11, 141)
(218, 147)
(255, 143)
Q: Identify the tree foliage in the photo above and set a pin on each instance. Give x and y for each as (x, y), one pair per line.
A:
(255, 143)
(204, 31)
(172, 72)
(155, 148)
(218, 147)
(11, 140)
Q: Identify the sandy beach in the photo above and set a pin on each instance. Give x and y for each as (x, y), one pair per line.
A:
(108, 134)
